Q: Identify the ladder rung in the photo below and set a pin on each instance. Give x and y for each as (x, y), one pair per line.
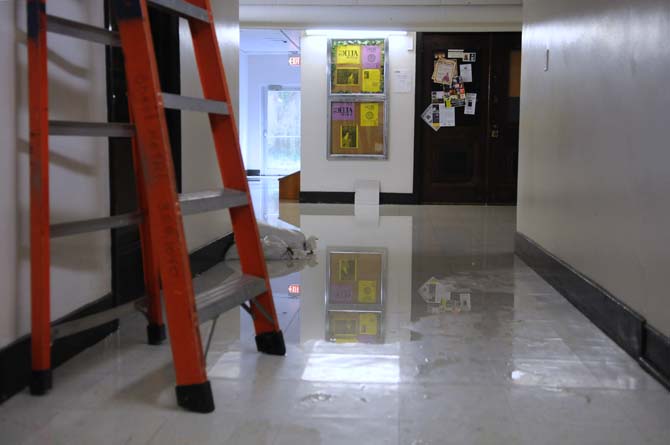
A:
(96, 129)
(210, 200)
(182, 9)
(215, 294)
(94, 320)
(191, 203)
(82, 31)
(93, 225)
(175, 101)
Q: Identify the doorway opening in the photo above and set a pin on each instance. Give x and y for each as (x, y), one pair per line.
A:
(281, 130)
(269, 116)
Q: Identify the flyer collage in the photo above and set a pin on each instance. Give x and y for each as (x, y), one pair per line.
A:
(451, 75)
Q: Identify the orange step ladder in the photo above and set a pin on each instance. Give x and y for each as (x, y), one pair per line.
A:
(188, 301)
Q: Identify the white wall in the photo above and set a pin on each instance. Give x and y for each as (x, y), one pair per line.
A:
(81, 265)
(200, 168)
(8, 185)
(263, 70)
(244, 92)
(320, 174)
(594, 161)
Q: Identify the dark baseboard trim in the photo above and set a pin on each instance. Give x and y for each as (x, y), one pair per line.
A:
(15, 368)
(15, 357)
(348, 198)
(210, 255)
(621, 323)
(398, 198)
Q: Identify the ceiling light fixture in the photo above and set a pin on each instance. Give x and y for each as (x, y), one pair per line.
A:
(354, 33)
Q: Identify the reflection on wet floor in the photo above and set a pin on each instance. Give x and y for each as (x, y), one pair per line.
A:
(419, 327)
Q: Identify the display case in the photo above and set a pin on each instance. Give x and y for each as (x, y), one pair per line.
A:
(357, 99)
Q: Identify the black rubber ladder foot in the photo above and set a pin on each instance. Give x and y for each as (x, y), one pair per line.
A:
(156, 334)
(196, 398)
(271, 343)
(40, 382)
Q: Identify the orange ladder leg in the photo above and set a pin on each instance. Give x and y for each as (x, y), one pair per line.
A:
(39, 199)
(156, 328)
(193, 389)
(269, 338)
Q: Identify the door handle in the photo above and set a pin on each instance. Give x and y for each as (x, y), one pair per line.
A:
(495, 133)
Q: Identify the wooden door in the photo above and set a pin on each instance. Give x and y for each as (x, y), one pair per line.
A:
(503, 152)
(453, 167)
(475, 161)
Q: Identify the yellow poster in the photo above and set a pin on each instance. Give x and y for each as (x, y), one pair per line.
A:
(369, 115)
(372, 81)
(349, 136)
(367, 291)
(348, 55)
(368, 324)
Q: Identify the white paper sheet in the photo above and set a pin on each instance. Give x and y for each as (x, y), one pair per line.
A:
(470, 103)
(447, 116)
(427, 117)
(466, 72)
(401, 81)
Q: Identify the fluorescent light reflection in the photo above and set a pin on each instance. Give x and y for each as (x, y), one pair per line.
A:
(350, 368)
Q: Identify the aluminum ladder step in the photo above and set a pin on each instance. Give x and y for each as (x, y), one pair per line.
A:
(122, 129)
(177, 102)
(91, 321)
(182, 9)
(83, 31)
(94, 129)
(191, 204)
(217, 291)
(216, 294)
(211, 200)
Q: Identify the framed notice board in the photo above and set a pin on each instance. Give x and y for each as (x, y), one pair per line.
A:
(357, 99)
(355, 293)
(357, 127)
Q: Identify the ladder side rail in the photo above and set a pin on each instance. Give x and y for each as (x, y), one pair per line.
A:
(156, 327)
(40, 306)
(193, 389)
(231, 165)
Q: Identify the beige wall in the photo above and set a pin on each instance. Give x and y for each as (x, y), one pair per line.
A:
(594, 171)
(200, 169)
(79, 176)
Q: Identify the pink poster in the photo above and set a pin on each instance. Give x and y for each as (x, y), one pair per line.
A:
(372, 56)
(341, 293)
(343, 111)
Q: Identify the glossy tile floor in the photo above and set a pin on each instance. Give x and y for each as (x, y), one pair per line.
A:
(511, 362)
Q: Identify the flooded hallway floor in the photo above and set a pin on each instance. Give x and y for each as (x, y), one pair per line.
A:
(416, 326)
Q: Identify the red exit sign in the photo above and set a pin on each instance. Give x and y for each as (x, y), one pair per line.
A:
(294, 289)
(294, 60)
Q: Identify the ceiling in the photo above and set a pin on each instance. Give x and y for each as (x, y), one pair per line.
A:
(269, 41)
